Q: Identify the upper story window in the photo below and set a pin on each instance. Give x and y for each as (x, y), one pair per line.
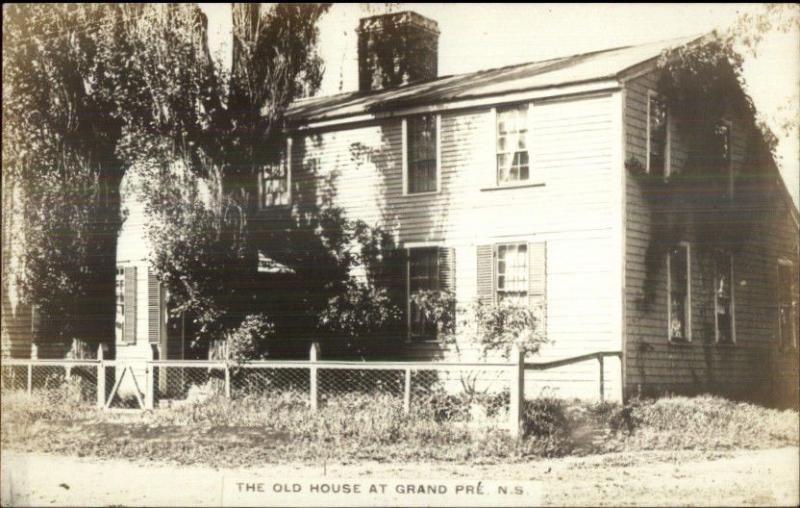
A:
(274, 180)
(513, 164)
(657, 136)
(679, 292)
(722, 153)
(512, 273)
(421, 154)
(724, 323)
(787, 304)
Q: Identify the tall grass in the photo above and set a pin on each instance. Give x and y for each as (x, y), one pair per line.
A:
(280, 427)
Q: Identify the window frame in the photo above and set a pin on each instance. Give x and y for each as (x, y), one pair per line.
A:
(286, 160)
(496, 268)
(652, 94)
(792, 345)
(119, 305)
(405, 162)
(495, 114)
(728, 124)
(732, 273)
(408, 248)
(688, 310)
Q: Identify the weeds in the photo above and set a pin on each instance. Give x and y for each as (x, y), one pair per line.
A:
(279, 426)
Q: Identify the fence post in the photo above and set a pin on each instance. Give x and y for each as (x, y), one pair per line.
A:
(517, 402)
(407, 392)
(149, 385)
(602, 378)
(227, 375)
(313, 354)
(30, 378)
(101, 376)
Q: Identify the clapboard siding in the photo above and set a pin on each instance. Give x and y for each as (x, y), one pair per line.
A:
(754, 362)
(570, 208)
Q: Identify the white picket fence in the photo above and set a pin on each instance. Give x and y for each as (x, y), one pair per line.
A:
(150, 384)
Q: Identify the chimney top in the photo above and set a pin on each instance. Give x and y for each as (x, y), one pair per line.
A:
(396, 49)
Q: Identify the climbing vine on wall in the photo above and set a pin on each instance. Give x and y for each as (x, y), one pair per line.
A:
(703, 200)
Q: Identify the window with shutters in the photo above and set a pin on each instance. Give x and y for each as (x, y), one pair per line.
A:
(421, 151)
(657, 136)
(274, 179)
(125, 292)
(724, 298)
(679, 291)
(787, 304)
(156, 308)
(513, 164)
(512, 273)
(423, 275)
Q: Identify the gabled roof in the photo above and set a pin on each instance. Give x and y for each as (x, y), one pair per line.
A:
(582, 68)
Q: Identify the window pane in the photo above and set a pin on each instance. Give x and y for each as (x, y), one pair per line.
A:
(423, 276)
(723, 301)
(421, 153)
(512, 146)
(658, 135)
(679, 293)
(512, 273)
(274, 183)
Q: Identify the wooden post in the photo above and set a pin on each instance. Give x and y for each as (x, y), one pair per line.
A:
(149, 382)
(101, 377)
(34, 352)
(517, 379)
(407, 392)
(602, 379)
(313, 355)
(227, 374)
(30, 378)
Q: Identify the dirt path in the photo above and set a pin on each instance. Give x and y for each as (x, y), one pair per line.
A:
(750, 478)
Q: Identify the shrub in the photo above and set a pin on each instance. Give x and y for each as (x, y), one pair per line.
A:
(247, 341)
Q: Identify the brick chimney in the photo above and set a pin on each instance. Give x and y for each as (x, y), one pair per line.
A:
(396, 49)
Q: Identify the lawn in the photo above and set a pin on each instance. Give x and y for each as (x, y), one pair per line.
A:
(278, 428)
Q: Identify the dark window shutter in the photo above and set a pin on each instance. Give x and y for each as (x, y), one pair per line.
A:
(447, 269)
(36, 321)
(153, 308)
(537, 279)
(129, 333)
(485, 271)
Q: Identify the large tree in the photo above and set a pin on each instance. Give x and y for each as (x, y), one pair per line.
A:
(92, 90)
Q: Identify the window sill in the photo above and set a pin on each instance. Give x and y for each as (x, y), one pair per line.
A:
(680, 342)
(725, 345)
(426, 193)
(516, 186)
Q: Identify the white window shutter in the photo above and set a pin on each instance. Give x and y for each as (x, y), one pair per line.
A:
(129, 333)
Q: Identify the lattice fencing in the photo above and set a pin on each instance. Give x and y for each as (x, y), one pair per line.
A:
(76, 380)
(452, 391)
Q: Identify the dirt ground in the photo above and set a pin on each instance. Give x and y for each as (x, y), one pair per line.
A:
(744, 478)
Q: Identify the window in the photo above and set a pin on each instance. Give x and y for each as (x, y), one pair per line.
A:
(423, 275)
(421, 154)
(722, 153)
(787, 304)
(657, 137)
(274, 180)
(512, 273)
(512, 146)
(679, 290)
(724, 323)
(119, 290)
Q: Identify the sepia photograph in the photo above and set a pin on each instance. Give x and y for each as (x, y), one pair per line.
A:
(400, 254)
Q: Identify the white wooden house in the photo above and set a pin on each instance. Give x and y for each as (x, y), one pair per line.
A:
(517, 183)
